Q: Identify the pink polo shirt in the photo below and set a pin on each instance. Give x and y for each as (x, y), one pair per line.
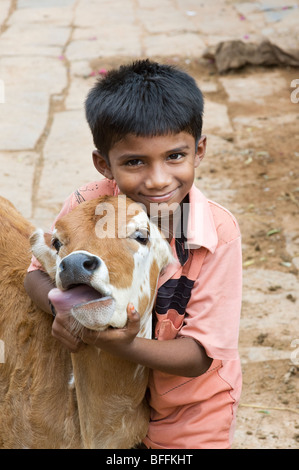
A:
(199, 296)
(200, 412)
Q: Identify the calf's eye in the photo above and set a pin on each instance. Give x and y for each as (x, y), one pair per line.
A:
(56, 244)
(141, 236)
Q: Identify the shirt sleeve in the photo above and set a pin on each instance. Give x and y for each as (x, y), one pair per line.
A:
(213, 312)
(87, 192)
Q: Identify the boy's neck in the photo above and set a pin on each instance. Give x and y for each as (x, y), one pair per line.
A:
(173, 224)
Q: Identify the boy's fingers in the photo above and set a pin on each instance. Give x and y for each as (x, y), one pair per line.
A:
(73, 343)
(133, 316)
(91, 336)
(132, 312)
(61, 331)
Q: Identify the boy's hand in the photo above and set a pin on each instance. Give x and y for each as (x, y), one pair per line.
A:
(63, 330)
(113, 340)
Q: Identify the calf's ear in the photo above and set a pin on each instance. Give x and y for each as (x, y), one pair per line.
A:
(43, 251)
(48, 239)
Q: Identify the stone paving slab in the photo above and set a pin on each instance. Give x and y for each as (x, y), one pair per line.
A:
(253, 88)
(216, 119)
(5, 5)
(17, 176)
(29, 83)
(68, 159)
(33, 42)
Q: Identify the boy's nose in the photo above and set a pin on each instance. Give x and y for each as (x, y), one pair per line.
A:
(158, 178)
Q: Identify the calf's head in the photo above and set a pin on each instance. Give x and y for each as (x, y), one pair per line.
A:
(103, 255)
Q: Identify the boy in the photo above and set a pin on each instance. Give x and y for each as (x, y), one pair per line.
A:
(146, 121)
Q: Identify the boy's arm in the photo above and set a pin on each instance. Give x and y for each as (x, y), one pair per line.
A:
(184, 356)
(37, 285)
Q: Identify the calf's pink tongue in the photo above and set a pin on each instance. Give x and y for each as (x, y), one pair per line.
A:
(65, 300)
(85, 304)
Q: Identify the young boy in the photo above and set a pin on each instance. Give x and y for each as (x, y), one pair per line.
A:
(146, 121)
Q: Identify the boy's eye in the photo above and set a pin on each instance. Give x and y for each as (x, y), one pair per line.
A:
(56, 244)
(134, 162)
(176, 156)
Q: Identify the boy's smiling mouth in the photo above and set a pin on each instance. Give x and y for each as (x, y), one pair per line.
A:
(159, 197)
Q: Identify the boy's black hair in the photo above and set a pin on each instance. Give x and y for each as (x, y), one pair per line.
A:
(145, 99)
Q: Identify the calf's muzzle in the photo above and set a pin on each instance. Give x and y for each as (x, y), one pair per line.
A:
(77, 268)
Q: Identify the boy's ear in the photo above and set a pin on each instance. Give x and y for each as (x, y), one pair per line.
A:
(102, 165)
(201, 150)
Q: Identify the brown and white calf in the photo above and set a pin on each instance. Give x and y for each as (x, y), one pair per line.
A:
(115, 257)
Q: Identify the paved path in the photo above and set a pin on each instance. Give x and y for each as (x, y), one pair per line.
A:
(48, 49)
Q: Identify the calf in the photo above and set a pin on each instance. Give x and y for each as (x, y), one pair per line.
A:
(102, 255)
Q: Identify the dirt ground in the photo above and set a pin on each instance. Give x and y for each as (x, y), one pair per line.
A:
(256, 174)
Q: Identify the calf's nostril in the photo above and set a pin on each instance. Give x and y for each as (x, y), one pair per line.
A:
(91, 263)
(62, 266)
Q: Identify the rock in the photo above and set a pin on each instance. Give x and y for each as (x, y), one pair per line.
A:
(235, 54)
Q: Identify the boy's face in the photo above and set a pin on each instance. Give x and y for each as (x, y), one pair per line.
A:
(153, 169)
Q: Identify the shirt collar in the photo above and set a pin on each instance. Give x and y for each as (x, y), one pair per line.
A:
(201, 230)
